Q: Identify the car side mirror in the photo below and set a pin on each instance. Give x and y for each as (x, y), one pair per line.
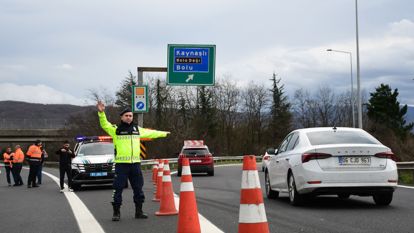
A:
(271, 151)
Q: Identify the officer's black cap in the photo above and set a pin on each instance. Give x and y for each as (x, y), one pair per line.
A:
(38, 141)
(125, 111)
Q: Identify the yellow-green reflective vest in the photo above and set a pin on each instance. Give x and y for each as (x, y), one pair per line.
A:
(128, 146)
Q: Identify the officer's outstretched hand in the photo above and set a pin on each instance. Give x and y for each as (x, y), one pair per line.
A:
(100, 106)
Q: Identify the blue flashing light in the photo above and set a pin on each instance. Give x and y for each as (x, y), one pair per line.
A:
(93, 138)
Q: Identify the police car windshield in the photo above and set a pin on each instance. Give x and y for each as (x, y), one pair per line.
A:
(98, 148)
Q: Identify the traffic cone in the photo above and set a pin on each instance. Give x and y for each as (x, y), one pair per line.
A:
(167, 205)
(188, 214)
(155, 172)
(252, 214)
(157, 196)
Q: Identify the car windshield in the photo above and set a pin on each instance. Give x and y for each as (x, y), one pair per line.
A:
(341, 137)
(195, 151)
(99, 148)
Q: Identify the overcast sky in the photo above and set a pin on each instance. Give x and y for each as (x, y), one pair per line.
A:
(54, 51)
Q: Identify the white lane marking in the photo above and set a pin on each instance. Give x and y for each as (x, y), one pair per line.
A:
(86, 221)
(205, 225)
(407, 187)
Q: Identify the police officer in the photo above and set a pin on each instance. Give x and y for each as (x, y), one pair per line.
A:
(126, 139)
(34, 157)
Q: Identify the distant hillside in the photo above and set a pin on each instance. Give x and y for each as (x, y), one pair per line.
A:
(14, 114)
(409, 117)
(410, 114)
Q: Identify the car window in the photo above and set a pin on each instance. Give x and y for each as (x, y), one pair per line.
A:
(195, 151)
(282, 147)
(341, 137)
(100, 148)
(293, 142)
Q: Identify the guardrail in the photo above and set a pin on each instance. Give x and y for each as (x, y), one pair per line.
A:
(405, 165)
(230, 159)
(216, 159)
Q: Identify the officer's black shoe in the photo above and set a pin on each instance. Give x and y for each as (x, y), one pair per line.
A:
(35, 186)
(138, 211)
(29, 186)
(117, 212)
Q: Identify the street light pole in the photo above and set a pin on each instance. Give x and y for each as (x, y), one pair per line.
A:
(358, 70)
(352, 83)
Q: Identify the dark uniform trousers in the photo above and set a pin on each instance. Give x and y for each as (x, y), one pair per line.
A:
(17, 168)
(65, 168)
(123, 172)
(34, 167)
(8, 170)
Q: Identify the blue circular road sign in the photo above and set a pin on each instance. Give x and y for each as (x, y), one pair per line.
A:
(140, 105)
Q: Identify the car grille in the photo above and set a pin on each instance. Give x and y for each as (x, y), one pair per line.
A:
(98, 167)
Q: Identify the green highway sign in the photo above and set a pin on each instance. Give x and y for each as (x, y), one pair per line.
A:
(191, 65)
(139, 99)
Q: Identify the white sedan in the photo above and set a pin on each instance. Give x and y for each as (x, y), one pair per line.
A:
(332, 161)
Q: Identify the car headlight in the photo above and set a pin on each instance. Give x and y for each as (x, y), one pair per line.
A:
(78, 166)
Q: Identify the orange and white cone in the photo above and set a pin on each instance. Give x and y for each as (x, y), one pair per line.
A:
(167, 205)
(155, 172)
(188, 214)
(252, 215)
(157, 196)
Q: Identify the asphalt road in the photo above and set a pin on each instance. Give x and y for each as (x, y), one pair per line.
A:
(44, 209)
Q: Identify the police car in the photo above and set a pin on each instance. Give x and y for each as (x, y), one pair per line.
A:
(94, 161)
(200, 158)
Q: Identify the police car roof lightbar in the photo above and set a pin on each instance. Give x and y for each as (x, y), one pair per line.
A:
(101, 138)
(93, 138)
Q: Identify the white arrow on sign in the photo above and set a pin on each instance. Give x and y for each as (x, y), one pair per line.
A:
(190, 77)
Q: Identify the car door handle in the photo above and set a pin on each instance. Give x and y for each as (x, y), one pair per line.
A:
(287, 159)
(277, 161)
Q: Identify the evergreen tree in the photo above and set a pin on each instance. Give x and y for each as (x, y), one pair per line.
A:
(384, 108)
(205, 121)
(281, 117)
(124, 94)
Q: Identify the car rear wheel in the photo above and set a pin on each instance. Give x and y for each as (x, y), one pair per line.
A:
(294, 197)
(383, 198)
(271, 194)
(211, 172)
(179, 172)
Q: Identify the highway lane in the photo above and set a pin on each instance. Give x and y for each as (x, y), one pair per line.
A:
(42, 209)
(218, 200)
(46, 210)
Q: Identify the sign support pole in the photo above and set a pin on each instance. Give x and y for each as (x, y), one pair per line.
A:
(140, 82)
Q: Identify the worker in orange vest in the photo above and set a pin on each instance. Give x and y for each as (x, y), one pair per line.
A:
(17, 165)
(34, 156)
(8, 158)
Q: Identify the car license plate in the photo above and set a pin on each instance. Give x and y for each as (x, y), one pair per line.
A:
(347, 160)
(98, 174)
(195, 161)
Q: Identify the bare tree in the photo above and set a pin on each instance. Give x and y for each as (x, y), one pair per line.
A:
(227, 95)
(255, 100)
